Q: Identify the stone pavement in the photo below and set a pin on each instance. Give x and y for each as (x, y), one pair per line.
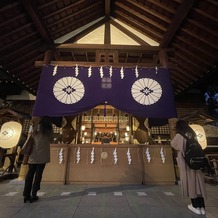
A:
(102, 201)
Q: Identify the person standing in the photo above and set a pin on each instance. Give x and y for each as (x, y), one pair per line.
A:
(192, 181)
(38, 158)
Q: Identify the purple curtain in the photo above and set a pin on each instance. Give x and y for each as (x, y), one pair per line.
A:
(141, 92)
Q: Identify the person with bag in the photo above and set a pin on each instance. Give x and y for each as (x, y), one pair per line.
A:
(192, 181)
(39, 156)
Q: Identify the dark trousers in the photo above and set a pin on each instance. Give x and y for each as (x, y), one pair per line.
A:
(34, 172)
(198, 202)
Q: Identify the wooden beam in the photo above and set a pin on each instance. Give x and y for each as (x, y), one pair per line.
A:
(205, 14)
(38, 22)
(48, 56)
(136, 48)
(107, 8)
(190, 43)
(85, 11)
(189, 72)
(149, 10)
(136, 25)
(7, 5)
(203, 27)
(66, 7)
(15, 42)
(188, 59)
(107, 33)
(163, 6)
(22, 49)
(163, 58)
(199, 37)
(180, 15)
(15, 31)
(191, 53)
(142, 17)
(94, 64)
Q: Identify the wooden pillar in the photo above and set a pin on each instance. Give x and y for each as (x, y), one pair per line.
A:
(48, 56)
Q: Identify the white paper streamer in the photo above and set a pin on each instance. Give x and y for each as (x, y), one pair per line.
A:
(136, 72)
(115, 156)
(92, 155)
(162, 155)
(129, 156)
(55, 70)
(111, 71)
(76, 70)
(89, 71)
(101, 72)
(148, 155)
(61, 156)
(78, 155)
(121, 73)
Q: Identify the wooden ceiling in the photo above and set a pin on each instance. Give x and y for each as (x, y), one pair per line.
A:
(186, 30)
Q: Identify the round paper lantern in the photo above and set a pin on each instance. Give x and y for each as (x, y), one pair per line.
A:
(10, 134)
(200, 133)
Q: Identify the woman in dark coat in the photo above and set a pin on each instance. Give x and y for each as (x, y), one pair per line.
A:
(192, 181)
(38, 158)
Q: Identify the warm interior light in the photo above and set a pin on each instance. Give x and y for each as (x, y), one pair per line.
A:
(127, 128)
(200, 133)
(83, 127)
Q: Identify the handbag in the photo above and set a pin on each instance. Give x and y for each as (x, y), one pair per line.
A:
(27, 146)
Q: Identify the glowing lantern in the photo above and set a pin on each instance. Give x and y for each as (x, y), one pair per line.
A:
(10, 134)
(200, 133)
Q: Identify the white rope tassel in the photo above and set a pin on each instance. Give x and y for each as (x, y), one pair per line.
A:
(121, 73)
(162, 155)
(78, 155)
(61, 156)
(129, 156)
(136, 72)
(55, 70)
(148, 155)
(76, 70)
(90, 71)
(111, 71)
(101, 72)
(92, 155)
(115, 156)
